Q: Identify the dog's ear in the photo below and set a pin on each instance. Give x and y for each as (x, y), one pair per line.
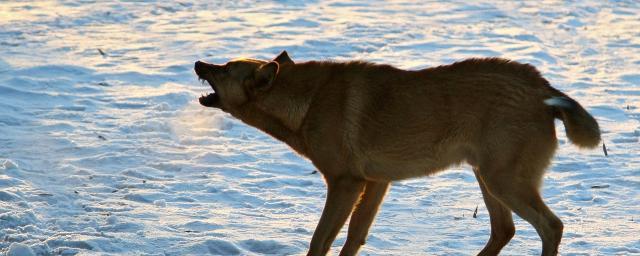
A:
(283, 58)
(265, 75)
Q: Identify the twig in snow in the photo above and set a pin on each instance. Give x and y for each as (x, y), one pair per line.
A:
(102, 53)
(475, 212)
(604, 148)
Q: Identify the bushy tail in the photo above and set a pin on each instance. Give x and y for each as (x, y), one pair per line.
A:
(582, 129)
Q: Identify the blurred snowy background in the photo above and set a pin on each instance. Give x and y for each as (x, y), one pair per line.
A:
(104, 149)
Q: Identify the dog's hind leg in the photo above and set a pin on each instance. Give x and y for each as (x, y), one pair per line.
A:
(342, 194)
(363, 216)
(502, 228)
(517, 189)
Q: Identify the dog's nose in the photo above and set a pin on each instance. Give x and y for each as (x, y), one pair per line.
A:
(200, 67)
(199, 64)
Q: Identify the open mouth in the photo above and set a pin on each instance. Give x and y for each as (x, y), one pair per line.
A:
(210, 99)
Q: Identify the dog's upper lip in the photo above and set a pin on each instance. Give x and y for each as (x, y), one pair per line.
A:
(202, 69)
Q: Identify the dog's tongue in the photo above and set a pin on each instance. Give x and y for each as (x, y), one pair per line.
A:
(210, 100)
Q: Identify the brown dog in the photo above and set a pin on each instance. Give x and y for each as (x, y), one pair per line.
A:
(365, 125)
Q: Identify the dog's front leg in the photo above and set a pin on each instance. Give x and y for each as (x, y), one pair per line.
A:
(363, 216)
(342, 194)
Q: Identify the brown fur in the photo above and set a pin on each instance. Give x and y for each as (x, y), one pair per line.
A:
(365, 125)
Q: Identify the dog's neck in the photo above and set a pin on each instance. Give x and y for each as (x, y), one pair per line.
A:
(255, 116)
(290, 95)
(280, 111)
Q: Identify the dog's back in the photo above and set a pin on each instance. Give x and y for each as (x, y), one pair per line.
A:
(400, 124)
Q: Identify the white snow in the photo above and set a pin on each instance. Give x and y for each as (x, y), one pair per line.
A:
(18, 249)
(105, 150)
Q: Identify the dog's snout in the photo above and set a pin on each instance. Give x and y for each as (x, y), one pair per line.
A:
(200, 67)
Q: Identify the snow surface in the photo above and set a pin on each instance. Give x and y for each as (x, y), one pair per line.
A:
(105, 150)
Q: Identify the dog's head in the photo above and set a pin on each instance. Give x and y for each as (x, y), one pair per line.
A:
(238, 81)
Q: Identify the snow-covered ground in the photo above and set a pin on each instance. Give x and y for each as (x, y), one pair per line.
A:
(105, 150)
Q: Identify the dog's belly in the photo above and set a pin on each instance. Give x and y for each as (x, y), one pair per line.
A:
(388, 171)
(392, 169)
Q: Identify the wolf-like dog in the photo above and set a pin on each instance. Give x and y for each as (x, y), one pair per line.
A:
(364, 125)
